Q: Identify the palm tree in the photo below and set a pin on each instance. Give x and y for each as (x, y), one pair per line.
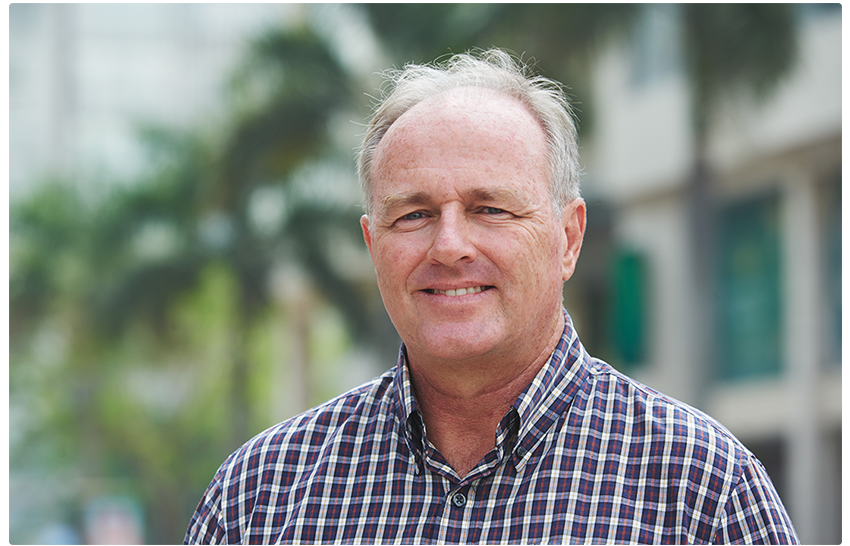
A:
(212, 202)
(205, 207)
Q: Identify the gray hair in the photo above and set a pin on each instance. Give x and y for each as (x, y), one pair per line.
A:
(493, 69)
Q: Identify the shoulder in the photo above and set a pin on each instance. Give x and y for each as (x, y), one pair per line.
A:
(659, 415)
(691, 454)
(666, 440)
(311, 430)
(280, 457)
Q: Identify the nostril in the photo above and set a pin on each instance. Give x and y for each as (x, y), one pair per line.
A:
(449, 254)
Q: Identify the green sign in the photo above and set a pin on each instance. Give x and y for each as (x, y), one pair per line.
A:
(628, 298)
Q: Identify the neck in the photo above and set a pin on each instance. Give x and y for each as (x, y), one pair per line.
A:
(462, 404)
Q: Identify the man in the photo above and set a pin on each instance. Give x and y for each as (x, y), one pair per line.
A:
(495, 426)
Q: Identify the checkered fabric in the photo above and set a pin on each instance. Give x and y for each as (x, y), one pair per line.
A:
(585, 454)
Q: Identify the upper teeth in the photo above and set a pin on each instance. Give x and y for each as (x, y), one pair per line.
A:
(460, 291)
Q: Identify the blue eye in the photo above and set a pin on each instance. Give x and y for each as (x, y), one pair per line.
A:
(493, 210)
(413, 216)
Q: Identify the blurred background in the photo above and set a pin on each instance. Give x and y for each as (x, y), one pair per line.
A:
(187, 269)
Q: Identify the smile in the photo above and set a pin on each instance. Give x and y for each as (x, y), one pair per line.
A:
(459, 291)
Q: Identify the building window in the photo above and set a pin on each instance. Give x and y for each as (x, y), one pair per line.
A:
(749, 284)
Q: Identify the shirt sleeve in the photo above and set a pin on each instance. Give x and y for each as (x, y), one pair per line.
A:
(754, 513)
(206, 526)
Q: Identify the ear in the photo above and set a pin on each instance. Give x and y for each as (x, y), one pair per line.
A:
(364, 225)
(574, 219)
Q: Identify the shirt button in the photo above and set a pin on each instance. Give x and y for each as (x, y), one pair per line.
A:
(521, 452)
(459, 499)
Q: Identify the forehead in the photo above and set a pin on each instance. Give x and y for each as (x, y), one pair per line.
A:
(477, 131)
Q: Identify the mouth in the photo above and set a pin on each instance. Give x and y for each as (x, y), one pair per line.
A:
(458, 291)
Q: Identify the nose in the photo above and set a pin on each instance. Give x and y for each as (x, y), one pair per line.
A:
(451, 242)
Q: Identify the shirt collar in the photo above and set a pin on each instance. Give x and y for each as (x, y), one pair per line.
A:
(407, 407)
(537, 408)
(550, 393)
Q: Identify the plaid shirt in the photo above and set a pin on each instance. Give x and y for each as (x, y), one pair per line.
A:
(584, 455)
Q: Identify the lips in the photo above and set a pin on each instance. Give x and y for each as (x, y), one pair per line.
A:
(458, 291)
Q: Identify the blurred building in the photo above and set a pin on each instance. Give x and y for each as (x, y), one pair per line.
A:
(83, 77)
(769, 367)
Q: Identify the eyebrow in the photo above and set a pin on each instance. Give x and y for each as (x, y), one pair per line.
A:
(403, 199)
(418, 197)
(496, 194)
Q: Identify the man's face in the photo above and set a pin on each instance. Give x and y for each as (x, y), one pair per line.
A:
(469, 254)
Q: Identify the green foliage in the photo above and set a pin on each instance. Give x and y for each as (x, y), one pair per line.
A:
(423, 32)
(43, 259)
(734, 47)
(558, 39)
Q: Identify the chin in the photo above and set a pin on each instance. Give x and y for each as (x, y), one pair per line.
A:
(454, 342)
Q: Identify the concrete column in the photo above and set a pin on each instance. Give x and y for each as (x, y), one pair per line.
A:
(63, 91)
(801, 265)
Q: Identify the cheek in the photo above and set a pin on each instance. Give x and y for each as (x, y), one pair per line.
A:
(395, 256)
(536, 259)
(535, 247)
(392, 259)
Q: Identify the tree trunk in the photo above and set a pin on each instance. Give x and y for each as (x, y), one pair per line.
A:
(703, 240)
